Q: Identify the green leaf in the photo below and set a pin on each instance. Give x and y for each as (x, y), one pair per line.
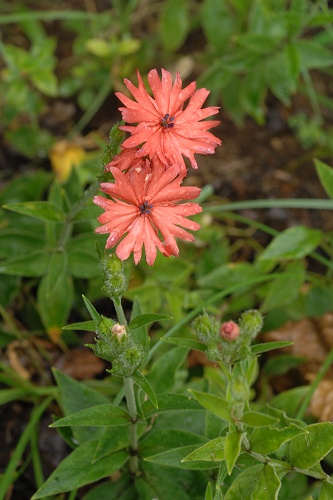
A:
(56, 270)
(175, 457)
(145, 386)
(77, 470)
(45, 82)
(325, 174)
(75, 396)
(95, 316)
(290, 400)
(209, 492)
(170, 402)
(140, 334)
(218, 22)
(98, 415)
(232, 449)
(308, 449)
(159, 441)
(285, 288)
(113, 439)
(215, 404)
(18, 240)
(293, 243)
(189, 343)
(267, 440)
(313, 54)
(259, 482)
(326, 492)
(269, 346)
(213, 451)
(163, 373)
(55, 305)
(257, 419)
(30, 265)
(86, 326)
(82, 257)
(116, 137)
(174, 24)
(38, 209)
(145, 319)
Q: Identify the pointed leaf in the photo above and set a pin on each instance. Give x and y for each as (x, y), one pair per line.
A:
(308, 449)
(232, 448)
(293, 243)
(98, 415)
(267, 440)
(38, 209)
(209, 492)
(86, 326)
(140, 334)
(269, 346)
(30, 265)
(257, 419)
(171, 402)
(163, 373)
(213, 451)
(113, 439)
(175, 457)
(77, 470)
(92, 311)
(325, 174)
(326, 492)
(215, 404)
(145, 386)
(257, 482)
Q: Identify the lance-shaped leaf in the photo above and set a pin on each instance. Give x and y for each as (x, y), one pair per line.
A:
(77, 470)
(293, 243)
(86, 326)
(145, 386)
(171, 402)
(269, 346)
(325, 174)
(38, 209)
(213, 451)
(257, 482)
(98, 415)
(309, 448)
(326, 492)
(92, 311)
(215, 404)
(232, 448)
(175, 457)
(268, 440)
(257, 419)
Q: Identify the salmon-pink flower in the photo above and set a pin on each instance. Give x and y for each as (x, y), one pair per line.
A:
(164, 127)
(229, 330)
(144, 205)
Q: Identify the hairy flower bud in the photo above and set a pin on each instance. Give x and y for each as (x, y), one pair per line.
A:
(229, 330)
(115, 281)
(250, 324)
(206, 328)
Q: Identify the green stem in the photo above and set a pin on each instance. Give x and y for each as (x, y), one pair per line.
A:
(131, 405)
(120, 312)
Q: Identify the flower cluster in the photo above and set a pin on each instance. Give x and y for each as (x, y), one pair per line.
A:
(146, 206)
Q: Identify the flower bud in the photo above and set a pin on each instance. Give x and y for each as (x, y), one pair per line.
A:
(206, 328)
(115, 281)
(229, 331)
(120, 332)
(250, 324)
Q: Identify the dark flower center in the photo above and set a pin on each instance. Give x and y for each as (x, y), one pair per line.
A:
(167, 121)
(145, 208)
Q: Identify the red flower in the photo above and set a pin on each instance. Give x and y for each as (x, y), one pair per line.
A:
(165, 128)
(144, 205)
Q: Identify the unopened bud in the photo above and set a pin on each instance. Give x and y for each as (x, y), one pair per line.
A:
(119, 331)
(229, 330)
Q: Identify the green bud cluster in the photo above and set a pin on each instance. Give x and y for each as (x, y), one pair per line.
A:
(221, 349)
(114, 344)
(115, 281)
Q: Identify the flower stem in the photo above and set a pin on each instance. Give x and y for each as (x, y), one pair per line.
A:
(133, 434)
(130, 400)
